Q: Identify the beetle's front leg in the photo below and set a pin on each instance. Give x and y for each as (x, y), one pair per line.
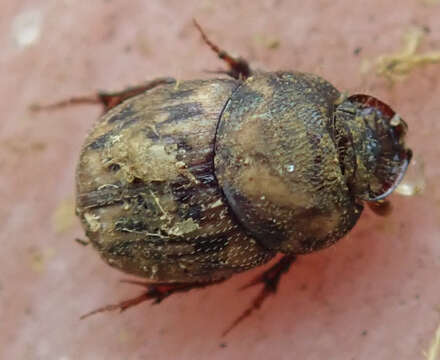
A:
(107, 99)
(270, 280)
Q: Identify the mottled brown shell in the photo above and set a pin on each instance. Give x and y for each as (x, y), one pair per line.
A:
(147, 194)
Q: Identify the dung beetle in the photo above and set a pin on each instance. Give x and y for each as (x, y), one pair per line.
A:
(186, 183)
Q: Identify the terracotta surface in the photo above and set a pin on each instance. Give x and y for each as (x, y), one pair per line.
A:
(375, 295)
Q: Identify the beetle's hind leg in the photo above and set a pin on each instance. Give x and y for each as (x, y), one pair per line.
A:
(156, 292)
(107, 99)
(238, 67)
(270, 280)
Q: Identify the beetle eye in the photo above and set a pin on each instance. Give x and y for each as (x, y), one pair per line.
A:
(391, 155)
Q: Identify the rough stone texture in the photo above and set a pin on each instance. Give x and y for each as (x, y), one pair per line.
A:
(374, 295)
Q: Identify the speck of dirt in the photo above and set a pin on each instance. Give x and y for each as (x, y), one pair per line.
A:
(82, 242)
(124, 336)
(267, 41)
(357, 51)
(303, 287)
(142, 44)
(430, 2)
(434, 350)
(397, 66)
(20, 147)
(63, 219)
(39, 258)
(26, 28)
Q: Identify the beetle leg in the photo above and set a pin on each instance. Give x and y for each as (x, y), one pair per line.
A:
(270, 279)
(238, 67)
(381, 207)
(107, 99)
(156, 292)
(110, 100)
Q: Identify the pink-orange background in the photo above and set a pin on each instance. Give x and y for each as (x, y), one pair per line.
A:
(375, 295)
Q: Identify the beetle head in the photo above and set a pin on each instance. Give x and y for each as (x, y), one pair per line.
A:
(370, 136)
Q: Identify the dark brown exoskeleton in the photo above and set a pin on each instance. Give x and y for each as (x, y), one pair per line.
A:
(188, 183)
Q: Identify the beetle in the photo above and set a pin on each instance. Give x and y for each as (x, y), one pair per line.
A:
(186, 183)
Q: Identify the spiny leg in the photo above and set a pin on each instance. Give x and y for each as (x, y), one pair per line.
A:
(270, 279)
(110, 100)
(107, 99)
(238, 67)
(156, 292)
